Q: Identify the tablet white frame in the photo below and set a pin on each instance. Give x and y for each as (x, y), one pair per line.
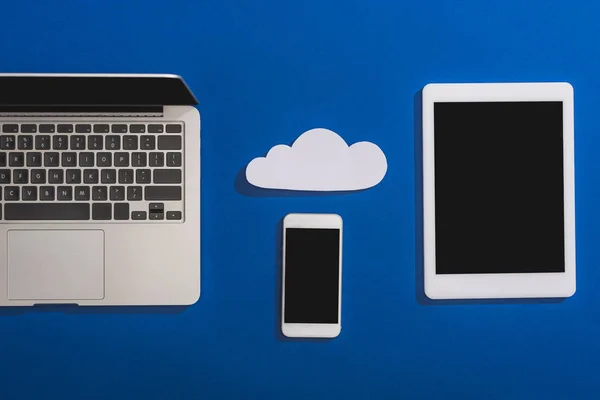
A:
(488, 286)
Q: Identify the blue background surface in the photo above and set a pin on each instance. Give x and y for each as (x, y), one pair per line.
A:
(264, 72)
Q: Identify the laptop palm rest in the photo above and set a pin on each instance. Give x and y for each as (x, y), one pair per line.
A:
(55, 264)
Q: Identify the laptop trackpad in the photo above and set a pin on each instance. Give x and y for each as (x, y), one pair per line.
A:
(56, 265)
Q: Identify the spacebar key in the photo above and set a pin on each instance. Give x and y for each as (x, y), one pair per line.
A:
(163, 192)
(46, 211)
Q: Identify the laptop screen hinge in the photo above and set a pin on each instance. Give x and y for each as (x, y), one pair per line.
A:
(81, 111)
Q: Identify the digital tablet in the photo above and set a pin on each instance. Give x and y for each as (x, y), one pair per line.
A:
(498, 190)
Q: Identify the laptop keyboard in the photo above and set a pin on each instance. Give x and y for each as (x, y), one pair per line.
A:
(92, 172)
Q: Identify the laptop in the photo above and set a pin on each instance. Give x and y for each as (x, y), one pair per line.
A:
(100, 190)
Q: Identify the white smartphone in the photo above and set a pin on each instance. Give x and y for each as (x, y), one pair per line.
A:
(312, 276)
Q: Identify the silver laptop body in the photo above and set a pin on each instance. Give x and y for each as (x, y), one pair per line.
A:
(100, 190)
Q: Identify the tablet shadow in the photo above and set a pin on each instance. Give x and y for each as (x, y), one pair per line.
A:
(418, 157)
(420, 296)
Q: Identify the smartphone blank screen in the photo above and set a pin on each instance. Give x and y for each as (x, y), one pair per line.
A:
(499, 187)
(312, 261)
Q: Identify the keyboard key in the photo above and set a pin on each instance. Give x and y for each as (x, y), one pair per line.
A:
(10, 128)
(155, 128)
(117, 193)
(7, 142)
(28, 128)
(169, 142)
(95, 142)
(20, 176)
(125, 176)
(138, 160)
(83, 128)
(38, 176)
(171, 128)
(147, 142)
(25, 142)
(173, 214)
(11, 193)
(47, 128)
(69, 159)
(73, 176)
(64, 193)
(64, 128)
(4, 175)
(156, 207)
(121, 211)
(173, 159)
(16, 159)
(143, 176)
(108, 176)
(86, 159)
(29, 193)
(55, 176)
(99, 193)
(60, 142)
(46, 212)
(101, 128)
(50, 159)
(2, 159)
(138, 215)
(77, 142)
(162, 193)
(119, 128)
(157, 216)
(121, 159)
(157, 159)
(101, 211)
(113, 142)
(34, 159)
(47, 193)
(90, 176)
(137, 128)
(134, 193)
(167, 176)
(42, 142)
(104, 160)
(130, 142)
(82, 193)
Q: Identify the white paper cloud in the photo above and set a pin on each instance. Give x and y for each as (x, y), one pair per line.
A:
(319, 160)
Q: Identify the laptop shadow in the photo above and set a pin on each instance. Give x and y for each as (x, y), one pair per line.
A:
(420, 295)
(75, 309)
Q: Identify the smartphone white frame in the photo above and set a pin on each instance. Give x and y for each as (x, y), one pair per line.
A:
(311, 221)
(480, 286)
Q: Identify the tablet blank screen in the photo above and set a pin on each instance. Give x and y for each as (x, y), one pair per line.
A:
(499, 187)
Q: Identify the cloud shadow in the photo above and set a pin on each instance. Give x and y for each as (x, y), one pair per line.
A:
(245, 188)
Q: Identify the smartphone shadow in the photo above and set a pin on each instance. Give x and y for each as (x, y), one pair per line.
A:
(75, 309)
(278, 281)
(420, 295)
(278, 285)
